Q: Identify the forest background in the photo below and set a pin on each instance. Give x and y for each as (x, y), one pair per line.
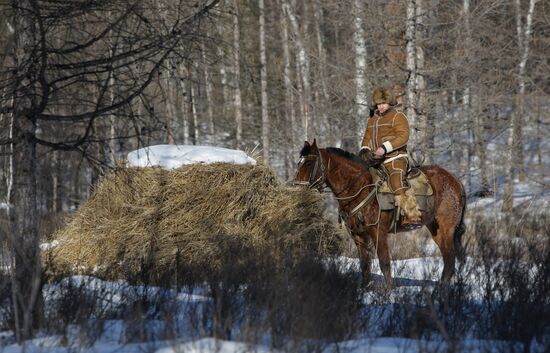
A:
(84, 82)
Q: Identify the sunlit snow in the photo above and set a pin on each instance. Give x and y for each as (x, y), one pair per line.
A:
(175, 156)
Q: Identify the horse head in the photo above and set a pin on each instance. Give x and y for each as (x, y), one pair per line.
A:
(311, 170)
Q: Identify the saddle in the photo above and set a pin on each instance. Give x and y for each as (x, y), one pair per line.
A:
(416, 179)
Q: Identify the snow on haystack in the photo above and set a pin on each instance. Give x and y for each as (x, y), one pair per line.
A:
(175, 156)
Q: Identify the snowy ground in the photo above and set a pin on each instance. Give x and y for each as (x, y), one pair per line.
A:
(413, 276)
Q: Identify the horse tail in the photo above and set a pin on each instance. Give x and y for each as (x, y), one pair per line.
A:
(460, 229)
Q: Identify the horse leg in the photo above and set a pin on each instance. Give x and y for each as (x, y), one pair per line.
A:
(365, 259)
(380, 241)
(443, 237)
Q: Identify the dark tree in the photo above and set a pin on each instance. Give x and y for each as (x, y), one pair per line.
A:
(70, 66)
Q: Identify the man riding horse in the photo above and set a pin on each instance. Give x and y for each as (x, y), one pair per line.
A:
(385, 140)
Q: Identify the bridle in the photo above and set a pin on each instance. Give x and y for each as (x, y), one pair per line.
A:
(313, 182)
(319, 183)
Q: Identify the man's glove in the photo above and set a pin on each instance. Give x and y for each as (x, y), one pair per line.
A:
(368, 156)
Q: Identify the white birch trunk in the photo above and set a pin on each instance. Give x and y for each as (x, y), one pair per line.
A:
(289, 95)
(466, 104)
(470, 104)
(361, 98)
(324, 96)
(171, 106)
(8, 174)
(263, 82)
(208, 95)
(290, 114)
(193, 108)
(55, 206)
(112, 123)
(237, 76)
(410, 36)
(303, 65)
(182, 106)
(421, 128)
(224, 81)
(515, 155)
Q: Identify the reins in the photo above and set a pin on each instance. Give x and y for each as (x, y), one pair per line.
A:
(321, 181)
(320, 184)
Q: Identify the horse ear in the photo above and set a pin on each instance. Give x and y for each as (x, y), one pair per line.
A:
(306, 144)
(314, 147)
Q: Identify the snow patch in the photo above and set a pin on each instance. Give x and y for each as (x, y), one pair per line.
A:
(49, 246)
(175, 156)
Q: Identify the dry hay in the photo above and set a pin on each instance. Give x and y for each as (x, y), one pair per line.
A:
(157, 218)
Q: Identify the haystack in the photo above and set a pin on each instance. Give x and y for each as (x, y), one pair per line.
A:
(160, 219)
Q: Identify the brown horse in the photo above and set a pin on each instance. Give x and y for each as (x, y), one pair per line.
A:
(350, 181)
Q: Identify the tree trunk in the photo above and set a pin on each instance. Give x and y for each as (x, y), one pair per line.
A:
(112, 156)
(237, 76)
(303, 66)
(224, 81)
(171, 104)
(56, 205)
(263, 83)
(208, 95)
(471, 107)
(194, 114)
(421, 124)
(412, 99)
(515, 155)
(361, 56)
(290, 113)
(26, 272)
(322, 92)
(182, 107)
(27, 286)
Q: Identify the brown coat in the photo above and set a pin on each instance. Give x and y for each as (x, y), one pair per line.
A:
(389, 130)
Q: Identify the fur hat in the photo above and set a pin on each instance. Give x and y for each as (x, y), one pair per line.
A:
(382, 95)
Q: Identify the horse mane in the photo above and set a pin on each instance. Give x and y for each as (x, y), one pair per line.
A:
(339, 152)
(348, 155)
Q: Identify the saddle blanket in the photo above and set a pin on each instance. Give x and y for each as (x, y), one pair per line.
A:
(416, 179)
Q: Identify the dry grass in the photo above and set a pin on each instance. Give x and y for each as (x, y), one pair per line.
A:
(158, 219)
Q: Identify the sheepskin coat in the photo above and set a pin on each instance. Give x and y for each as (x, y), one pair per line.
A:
(389, 130)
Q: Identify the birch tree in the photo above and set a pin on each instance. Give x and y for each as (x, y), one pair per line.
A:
(302, 62)
(421, 122)
(411, 67)
(470, 99)
(361, 98)
(289, 111)
(237, 96)
(263, 82)
(515, 155)
(209, 92)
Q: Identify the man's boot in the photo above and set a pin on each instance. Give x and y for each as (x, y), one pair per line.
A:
(407, 202)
